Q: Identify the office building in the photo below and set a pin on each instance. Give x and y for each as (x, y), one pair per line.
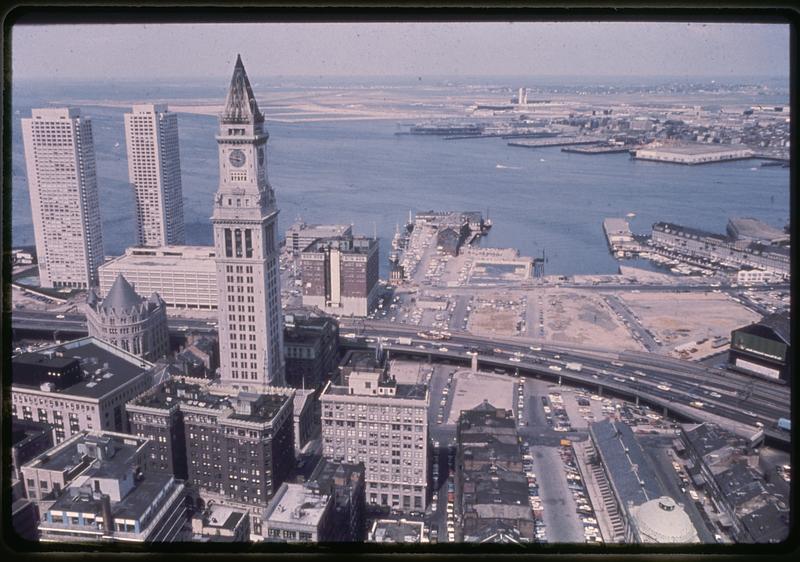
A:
(28, 439)
(234, 447)
(92, 488)
(246, 247)
(154, 170)
(763, 348)
(300, 234)
(62, 180)
(185, 277)
(372, 419)
(299, 514)
(345, 483)
(490, 482)
(340, 275)
(125, 319)
(78, 385)
(311, 347)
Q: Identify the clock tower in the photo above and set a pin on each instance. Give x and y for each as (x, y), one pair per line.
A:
(245, 242)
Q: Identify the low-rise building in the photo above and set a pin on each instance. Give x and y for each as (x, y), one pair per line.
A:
(763, 348)
(92, 488)
(221, 523)
(184, 276)
(298, 514)
(200, 356)
(491, 486)
(127, 320)
(397, 531)
(78, 385)
(692, 153)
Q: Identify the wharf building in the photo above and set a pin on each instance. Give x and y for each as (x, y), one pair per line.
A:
(92, 488)
(763, 348)
(154, 170)
(725, 467)
(236, 448)
(185, 277)
(639, 509)
(62, 181)
(311, 348)
(300, 235)
(491, 485)
(695, 153)
(704, 246)
(372, 419)
(340, 275)
(124, 319)
(79, 385)
(246, 246)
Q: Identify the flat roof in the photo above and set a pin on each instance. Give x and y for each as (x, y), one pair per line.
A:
(222, 516)
(66, 455)
(92, 353)
(696, 148)
(296, 504)
(196, 258)
(749, 227)
(393, 531)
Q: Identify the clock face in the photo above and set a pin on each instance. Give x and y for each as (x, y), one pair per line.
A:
(260, 156)
(237, 158)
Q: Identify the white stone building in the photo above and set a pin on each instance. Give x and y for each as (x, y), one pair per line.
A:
(246, 246)
(62, 180)
(154, 170)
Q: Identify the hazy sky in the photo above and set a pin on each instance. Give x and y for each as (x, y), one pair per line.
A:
(396, 49)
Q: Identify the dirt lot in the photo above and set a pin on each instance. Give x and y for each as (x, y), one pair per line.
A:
(678, 318)
(583, 317)
(497, 315)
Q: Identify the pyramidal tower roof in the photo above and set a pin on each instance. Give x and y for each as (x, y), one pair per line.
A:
(121, 296)
(240, 104)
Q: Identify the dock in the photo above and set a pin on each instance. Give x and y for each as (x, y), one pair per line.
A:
(619, 237)
(595, 149)
(554, 142)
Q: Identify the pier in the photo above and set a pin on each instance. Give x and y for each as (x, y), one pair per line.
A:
(554, 142)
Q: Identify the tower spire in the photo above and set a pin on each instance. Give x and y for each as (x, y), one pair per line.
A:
(240, 103)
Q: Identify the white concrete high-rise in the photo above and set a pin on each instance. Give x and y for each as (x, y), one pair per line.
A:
(246, 246)
(62, 180)
(154, 169)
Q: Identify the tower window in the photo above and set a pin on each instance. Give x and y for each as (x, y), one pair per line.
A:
(248, 243)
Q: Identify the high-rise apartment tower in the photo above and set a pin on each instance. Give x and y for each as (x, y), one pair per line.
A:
(154, 169)
(245, 240)
(59, 154)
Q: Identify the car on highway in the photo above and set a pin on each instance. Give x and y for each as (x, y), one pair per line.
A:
(715, 394)
(60, 316)
(554, 368)
(514, 359)
(663, 387)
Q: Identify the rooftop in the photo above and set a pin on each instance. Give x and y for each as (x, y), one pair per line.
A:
(297, 505)
(748, 227)
(93, 355)
(222, 516)
(661, 520)
(626, 464)
(695, 148)
(106, 452)
(196, 258)
(706, 438)
(397, 531)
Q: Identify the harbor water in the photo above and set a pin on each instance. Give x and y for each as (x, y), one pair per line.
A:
(360, 172)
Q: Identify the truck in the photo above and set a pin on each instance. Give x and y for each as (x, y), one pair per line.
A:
(404, 341)
(574, 366)
(785, 424)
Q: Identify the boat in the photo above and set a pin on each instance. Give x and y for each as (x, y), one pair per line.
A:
(631, 215)
(502, 167)
(116, 145)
